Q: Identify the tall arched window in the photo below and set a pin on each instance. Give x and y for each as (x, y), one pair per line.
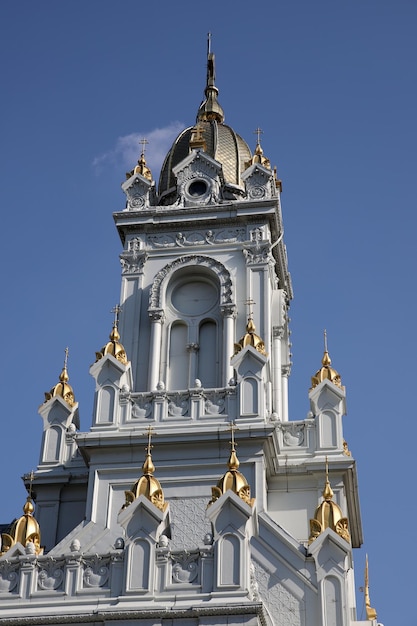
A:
(193, 335)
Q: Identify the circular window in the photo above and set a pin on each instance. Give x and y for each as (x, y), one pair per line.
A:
(197, 188)
(194, 297)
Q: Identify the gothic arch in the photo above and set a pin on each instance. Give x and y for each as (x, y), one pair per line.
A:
(158, 289)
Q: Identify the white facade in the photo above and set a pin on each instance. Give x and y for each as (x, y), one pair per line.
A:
(199, 256)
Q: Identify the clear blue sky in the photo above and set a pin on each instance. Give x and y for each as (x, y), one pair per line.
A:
(333, 86)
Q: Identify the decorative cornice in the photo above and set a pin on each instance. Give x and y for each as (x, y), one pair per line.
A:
(172, 613)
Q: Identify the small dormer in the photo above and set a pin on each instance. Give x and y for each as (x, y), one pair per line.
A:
(60, 415)
(139, 186)
(259, 179)
(199, 179)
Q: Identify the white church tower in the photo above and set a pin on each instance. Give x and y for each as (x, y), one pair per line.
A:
(235, 514)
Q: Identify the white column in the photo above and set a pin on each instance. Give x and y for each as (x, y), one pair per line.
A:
(229, 315)
(286, 369)
(192, 349)
(157, 319)
(277, 333)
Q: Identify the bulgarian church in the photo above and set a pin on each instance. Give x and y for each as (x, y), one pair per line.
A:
(193, 499)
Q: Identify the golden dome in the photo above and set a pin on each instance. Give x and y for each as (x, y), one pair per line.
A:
(329, 515)
(326, 372)
(217, 140)
(232, 479)
(250, 338)
(114, 346)
(147, 485)
(62, 388)
(23, 530)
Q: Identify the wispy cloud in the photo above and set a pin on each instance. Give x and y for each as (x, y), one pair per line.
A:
(127, 149)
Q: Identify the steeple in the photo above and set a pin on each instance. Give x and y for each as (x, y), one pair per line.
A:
(258, 155)
(25, 530)
(233, 479)
(114, 346)
(147, 485)
(141, 168)
(210, 108)
(62, 389)
(326, 372)
(328, 514)
(250, 338)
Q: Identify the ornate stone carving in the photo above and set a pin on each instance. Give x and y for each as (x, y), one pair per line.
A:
(141, 408)
(178, 406)
(258, 254)
(229, 310)
(9, 577)
(278, 332)
(189, 522)
(185, 567)
(157, 315)
(196, 238)
(223, 275)
(214, 404)
(51, 575)
(96, 571)
(133, 262)
(162, 241)
(293, 434)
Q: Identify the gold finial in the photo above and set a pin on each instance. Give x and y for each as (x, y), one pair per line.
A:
(327, 491)
(250, 338)
(148, 467)
(147, 485)
(328, 514)
(232, 479)
(326, 372)
(24, 530)
(370, 612)
(62, 388)
(210, 108)
(114, 346)
(141, 168)
(233, 463)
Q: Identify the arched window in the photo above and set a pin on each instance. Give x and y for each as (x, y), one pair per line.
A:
(192, 309)
(193, 319)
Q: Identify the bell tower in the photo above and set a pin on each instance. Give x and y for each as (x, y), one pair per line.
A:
(193, 496)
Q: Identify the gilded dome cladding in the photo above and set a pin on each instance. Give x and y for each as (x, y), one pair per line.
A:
(222, 144)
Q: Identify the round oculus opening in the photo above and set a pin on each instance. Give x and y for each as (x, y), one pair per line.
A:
(197, 188)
